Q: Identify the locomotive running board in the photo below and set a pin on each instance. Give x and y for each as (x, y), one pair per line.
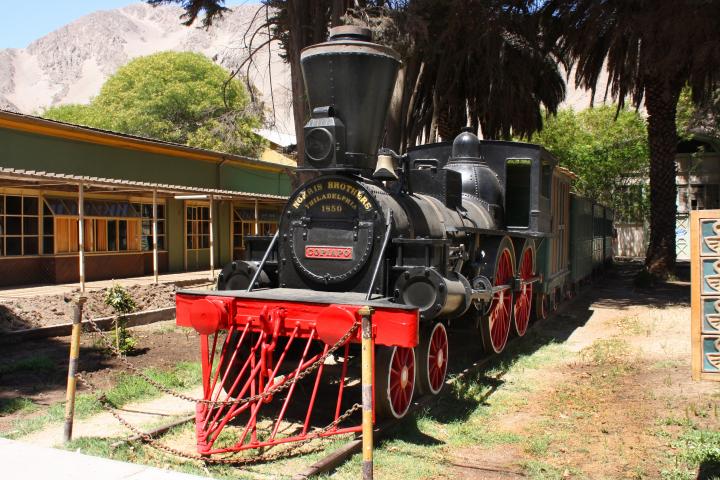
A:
(257, 347)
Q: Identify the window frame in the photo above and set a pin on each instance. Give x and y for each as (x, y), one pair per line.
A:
(21, 217)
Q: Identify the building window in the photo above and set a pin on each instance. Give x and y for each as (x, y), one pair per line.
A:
(145, 210)
(197, 224)
(19, 225)
(244, 224)
(109, 226)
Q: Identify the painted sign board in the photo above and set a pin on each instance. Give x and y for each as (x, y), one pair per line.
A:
(705, 293)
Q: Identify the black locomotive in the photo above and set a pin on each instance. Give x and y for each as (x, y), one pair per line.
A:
(442, 233)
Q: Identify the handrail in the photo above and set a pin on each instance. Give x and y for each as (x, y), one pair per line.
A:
(381, 256)
(262, 262)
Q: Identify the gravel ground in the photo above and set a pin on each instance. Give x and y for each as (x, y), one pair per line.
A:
(24, 313)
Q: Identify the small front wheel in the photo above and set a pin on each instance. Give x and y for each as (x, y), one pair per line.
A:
(394, 381)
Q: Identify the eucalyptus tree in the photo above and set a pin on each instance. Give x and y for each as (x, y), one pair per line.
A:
(651, 49)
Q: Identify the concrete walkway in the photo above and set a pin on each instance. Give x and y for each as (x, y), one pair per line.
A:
(59, 289)
(22, 460)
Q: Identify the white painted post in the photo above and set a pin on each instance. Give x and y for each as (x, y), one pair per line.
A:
(81, 235)
(154, 236)
(257, 218)
(212, 243)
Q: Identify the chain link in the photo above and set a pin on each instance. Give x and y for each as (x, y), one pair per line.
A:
(238, 401)
(145, 437)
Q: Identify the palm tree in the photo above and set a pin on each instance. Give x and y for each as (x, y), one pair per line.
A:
(651, 49)
(480, 63)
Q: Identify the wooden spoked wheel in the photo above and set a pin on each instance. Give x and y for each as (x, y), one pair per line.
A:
(394, 381)
(496, 326)
(524, 298)
(432, 357)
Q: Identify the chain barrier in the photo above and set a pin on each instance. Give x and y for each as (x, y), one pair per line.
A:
(147, 438)
(238, 401)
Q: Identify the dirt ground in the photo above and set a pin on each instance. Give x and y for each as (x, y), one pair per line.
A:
(603, 391)
(160, 345)
(615, 406)
(40, 311)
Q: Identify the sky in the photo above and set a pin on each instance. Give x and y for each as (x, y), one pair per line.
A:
(24, 22)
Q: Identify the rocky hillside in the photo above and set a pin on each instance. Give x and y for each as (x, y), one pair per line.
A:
(70, 64)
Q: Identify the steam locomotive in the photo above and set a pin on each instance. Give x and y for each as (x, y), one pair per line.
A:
(445, 233)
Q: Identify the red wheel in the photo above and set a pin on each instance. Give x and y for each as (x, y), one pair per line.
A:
(496, 326)
(432, 359)
(394, 380)
(523, 301)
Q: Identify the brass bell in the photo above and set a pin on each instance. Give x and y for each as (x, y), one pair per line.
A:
(385, 169)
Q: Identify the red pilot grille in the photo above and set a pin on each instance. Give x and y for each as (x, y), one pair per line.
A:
(334, 253)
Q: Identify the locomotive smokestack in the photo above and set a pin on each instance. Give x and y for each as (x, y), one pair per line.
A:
(349, 82)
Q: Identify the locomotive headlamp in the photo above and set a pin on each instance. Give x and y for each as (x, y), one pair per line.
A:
(325, 139)
(319, 144)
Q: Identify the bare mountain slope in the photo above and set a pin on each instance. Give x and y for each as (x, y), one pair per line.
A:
(70, 64)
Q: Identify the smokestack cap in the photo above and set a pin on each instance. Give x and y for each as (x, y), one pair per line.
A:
(350, 32)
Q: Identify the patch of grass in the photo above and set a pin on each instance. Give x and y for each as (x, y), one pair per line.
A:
(542, 471)
(538, 446)
(475, 432)
(666, 364)
(696, 447)
(677, 421)
(129, 388)
(33, 364)
(606, 351)
(17, 404)
(631, 325)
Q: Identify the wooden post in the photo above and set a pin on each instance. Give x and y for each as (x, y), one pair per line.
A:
(154, 236)
(367, 392)
(72, 368)
(257, 218)
(81, 235)
(212, 243)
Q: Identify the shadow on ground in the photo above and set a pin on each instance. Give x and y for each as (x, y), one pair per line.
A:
(613, 290)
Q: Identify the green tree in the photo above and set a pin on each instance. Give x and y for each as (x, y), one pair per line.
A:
(178, 97)
(703, 118)
(608, 150)
(651, 50)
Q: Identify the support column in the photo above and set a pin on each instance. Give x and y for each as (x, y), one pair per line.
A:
(154, 236)
(212, 242)
(81, 235)
(257, 218)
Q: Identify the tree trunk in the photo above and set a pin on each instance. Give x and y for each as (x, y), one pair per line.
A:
(661, 99)
(296, 78)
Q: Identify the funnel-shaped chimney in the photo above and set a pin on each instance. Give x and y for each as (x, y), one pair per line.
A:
(355, 78)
